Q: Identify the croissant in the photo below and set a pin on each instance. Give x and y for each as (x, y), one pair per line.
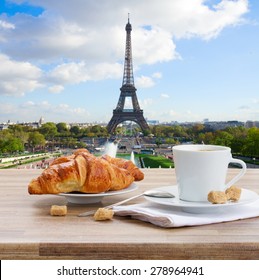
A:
(83, 172)
(126, 164)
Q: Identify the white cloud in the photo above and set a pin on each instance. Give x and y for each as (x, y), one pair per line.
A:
(78, 41)
(152, 46)
(66, 112)
(66, 73)
(6, 25)
(28, 104)
(144, 82)
(105, 71)
(92, 30)
(145, 103)
(164, 95)
(74, 73)
(17, 78)
(185, 18)
(157, 75)
(29, 111)
(56, 89)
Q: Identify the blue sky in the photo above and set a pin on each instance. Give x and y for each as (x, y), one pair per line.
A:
(193, 59)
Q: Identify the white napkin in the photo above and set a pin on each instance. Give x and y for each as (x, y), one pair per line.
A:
(168, 217)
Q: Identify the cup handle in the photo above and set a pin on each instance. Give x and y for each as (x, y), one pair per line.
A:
(240, 174)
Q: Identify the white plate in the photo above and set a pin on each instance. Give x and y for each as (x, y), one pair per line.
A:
(88, 198)
(247, 196)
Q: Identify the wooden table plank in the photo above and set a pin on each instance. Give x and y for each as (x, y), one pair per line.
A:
(27, 231)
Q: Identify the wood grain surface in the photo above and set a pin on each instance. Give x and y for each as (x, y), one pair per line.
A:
(27, 231)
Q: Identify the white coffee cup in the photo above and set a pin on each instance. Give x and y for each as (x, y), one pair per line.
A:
(203, 168)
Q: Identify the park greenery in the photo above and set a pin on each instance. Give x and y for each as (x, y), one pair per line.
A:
(155, 161)
(19, 138)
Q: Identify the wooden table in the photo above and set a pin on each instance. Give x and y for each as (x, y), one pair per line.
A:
(27, 231)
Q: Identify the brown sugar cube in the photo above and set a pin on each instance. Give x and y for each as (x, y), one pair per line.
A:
(217, 197)
(233, 193)
(57, 210)
(103, 214)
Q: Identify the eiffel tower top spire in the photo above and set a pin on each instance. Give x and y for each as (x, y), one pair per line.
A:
(128, 78)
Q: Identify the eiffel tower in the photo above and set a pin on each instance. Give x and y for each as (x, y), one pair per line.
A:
(128, 90)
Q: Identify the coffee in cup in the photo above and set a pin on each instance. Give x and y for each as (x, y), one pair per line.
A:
(203, 168)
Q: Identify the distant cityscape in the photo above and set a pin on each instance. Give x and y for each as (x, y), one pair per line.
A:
(213, 125)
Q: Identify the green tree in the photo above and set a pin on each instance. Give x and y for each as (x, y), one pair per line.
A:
(5, 134)
(75, 130)
(70, 142)
(195, 130)
(17, 131)
(62, 127)
(158, 142)
(239, 137)
(206, 138)
(36, 139)
(223, 138)
(170, 141)
(157, 130)
(49, 130)
(11, 145)
(251, 144)
(180, 132)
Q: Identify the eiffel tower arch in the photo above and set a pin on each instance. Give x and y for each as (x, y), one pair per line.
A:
(127, 91)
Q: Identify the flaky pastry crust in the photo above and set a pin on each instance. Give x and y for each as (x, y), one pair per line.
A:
(83, 172)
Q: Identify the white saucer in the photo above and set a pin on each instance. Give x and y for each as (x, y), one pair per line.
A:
(87, 198)
(247, 196)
